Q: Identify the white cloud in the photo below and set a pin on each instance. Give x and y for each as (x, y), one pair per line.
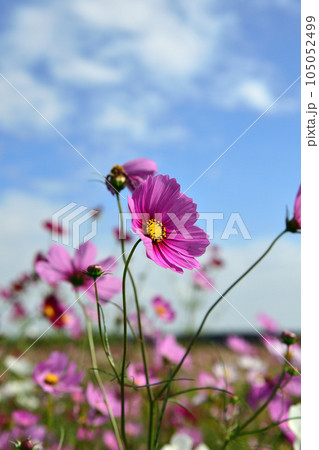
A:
(121, 53)
(21, 217)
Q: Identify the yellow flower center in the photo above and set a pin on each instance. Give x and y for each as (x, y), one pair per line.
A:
(51, 379)
(155, 230)
(161, 310)
(49, 311)
(65, 319)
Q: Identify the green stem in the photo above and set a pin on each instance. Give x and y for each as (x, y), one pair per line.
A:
(140, 330)
(125, 342)
(97, 376)
(104, 337)
(222, 296)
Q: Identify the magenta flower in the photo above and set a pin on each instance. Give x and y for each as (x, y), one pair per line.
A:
(163, 309)
(164, 218)
(121, 236)
(279, 406)
(54, 228)
(60, 316)
(268, 323)
(297, 208)
(56, 376)
(202, 280)
(130, 174)
(24, 418)
(294, 224)
(59, 266)
(170, 349)
(240, 345)
(96, 401)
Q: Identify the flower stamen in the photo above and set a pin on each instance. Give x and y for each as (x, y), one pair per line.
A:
(155, 230)
(51, 379)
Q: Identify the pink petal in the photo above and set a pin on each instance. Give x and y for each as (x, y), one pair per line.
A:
(85, 255)
(60, 259)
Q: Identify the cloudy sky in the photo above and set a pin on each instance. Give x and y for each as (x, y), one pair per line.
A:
(178, 82)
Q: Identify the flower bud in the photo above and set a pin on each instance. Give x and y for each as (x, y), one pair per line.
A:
(292, 225)
(288, 338)
(94, 271)
(26, 444)
(116, 179)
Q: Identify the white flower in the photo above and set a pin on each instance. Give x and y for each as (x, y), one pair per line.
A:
(20, 367)
(295, 425)
(181, 441)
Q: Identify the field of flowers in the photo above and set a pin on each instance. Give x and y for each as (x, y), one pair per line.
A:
(83, 387)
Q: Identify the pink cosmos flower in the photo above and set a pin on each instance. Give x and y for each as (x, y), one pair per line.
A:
(54, 228)
(278, 349)
(56, 376)
(163, 309)
(109, 440)
(297, 208)
(96, 401)
(170, 349)
(137, 376)
(121, 236)
(61, 317)
(240, 345)
(294, 224)
(164, 219)
(268, 323)
(202, 280)
(130, 174)
(24, 418)
(279, 406)
(59, 266)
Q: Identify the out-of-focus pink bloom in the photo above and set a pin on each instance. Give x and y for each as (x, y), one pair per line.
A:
(121, 235)
(202, 280)
(110, 441)
(163, 309)
(86, 434)
(136, 375)
(130, 174)
(24, 418)
(56, 375)
(240, 345)
(17, 286)
(18, 311)
(164, 219)
(53, 227)
(5, 293)
(268, 323)
(216, 260)
(60, 316)
(170, 349)
(279, 350)
(26, 426)
(133, 429)
(96, 400)
(59, 266)
(278, 408)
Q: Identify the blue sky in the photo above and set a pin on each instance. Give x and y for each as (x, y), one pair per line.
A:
(177, 82)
